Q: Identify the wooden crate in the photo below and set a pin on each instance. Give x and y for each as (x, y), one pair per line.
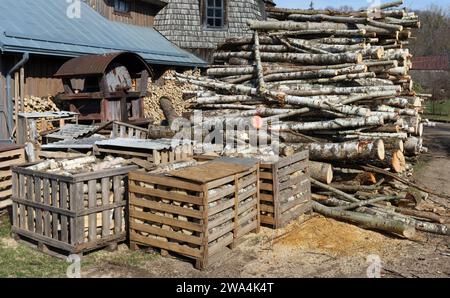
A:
(198, 220)
(285, 190)
(152, 151)
(70, 214)
(10, 155)
(126, 130)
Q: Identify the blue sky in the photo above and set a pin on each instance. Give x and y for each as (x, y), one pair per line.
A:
(413, 4)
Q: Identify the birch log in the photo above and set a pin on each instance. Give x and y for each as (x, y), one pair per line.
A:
(304, 59)
(320, 171)
(388, 225)
(338, 123)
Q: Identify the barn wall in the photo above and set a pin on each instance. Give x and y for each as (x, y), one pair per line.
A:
(141, 14)
(39, 81)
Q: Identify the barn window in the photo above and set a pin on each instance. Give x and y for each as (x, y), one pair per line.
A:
(215, 13)
(122, 6)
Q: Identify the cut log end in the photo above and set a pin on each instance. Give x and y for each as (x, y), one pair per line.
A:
(359, 58)
(398, 161)
(379, 145)
(409, 232)
(322, 172)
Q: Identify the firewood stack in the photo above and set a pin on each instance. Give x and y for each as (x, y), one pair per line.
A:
(341, 78)
(336, 83)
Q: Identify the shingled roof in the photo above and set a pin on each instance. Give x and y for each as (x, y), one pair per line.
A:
(180, 22)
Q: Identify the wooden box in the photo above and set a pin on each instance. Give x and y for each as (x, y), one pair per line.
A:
(195, 217)
(285, 190)
(156, 152)
(70, 214)
(10, 155)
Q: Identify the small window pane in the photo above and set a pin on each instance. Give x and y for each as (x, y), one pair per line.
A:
(211, 3)
(219, 3)
(210, 12)
(218, 22)
(218, 13)
(211, 22)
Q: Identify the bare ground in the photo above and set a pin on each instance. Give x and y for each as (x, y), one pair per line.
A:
(315, 246)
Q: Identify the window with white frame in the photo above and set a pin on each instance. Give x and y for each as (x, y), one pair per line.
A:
(121, 6)
(215, 13)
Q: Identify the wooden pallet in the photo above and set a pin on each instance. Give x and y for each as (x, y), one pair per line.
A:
(149, 151)
(285, 190)
(69, 214)
(10, 155)
(126, 130)
(192, 215)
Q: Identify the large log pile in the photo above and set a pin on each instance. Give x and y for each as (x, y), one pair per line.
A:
(336, 76)
(336, 83)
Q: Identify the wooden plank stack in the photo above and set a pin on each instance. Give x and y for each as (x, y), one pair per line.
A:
(335, 76)
(63, 213)
(197, 212)
(10, 155)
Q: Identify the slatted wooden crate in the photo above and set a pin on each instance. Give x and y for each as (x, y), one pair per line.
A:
(126, 130)
(285, 190)
(195, 217)
(156, 152)
(10, 155)
(70, 214)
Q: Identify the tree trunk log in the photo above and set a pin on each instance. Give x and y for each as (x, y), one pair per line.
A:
(392, 226)
(322, 172)
(304, 59)
(338, 123)
(348, 151)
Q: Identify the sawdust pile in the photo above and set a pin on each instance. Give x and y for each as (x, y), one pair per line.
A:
(172, 90)
(335, 238)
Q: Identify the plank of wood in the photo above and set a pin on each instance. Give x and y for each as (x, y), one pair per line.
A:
(165, 194)
(165, 181)
(105, 184)
(165, 245)
(167, 208)
(165, 233)
(165, 220)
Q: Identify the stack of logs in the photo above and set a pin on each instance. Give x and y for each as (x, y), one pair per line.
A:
(336, 83)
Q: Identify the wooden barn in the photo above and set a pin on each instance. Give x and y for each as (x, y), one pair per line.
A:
(200, 25)
(133, 12)
(38, 37)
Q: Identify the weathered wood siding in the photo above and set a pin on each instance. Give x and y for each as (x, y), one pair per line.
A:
(141, 14)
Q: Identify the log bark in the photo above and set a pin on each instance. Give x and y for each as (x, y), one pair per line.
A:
(327, 125)
(262, 88)
(348, 151)
(304, 59)
(392, 226)
(168, 110)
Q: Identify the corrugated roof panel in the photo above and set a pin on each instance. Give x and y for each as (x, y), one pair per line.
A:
(44, 27)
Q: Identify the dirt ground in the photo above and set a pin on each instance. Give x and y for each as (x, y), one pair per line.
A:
(315, 246)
